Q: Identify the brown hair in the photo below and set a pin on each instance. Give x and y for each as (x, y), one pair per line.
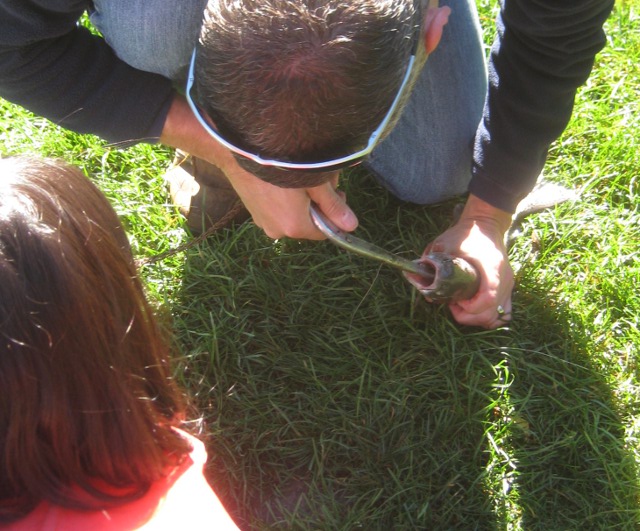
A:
(87, 395)
(301, 81)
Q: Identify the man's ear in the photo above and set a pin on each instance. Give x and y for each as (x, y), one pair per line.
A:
(435, 20)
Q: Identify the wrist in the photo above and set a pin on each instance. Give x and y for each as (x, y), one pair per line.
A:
(182, 130)
(479, 211)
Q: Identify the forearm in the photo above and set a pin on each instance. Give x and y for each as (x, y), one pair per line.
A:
(544, 51)
(183, 131)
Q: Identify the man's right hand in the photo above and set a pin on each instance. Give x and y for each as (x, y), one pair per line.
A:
(278, 211)
(285, 211)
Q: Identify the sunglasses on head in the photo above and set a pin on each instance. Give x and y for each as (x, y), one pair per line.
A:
(322, 166)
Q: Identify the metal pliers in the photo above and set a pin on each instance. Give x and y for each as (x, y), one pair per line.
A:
(442, 278)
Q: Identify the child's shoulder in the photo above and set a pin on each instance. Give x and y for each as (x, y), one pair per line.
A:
(181, 499)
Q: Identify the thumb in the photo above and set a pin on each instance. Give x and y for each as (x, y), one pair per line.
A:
(333, 205)
(435, 246)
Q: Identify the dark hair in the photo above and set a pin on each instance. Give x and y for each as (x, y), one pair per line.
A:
(87, 397)
(301, 81)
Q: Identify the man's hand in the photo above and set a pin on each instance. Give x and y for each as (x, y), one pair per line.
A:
(478, 237)
(278, 211)
(285, 211)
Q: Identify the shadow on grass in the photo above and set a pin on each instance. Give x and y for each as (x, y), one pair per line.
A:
(337, 399)
(575, 468)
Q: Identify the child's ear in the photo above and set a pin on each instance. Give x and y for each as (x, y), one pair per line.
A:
(435, 20)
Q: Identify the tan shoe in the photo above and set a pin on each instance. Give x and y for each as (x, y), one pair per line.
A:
(203, 194)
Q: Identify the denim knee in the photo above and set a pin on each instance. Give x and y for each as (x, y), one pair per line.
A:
(152, 35)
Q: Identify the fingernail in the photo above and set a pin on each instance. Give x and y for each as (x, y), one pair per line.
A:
(350, 219)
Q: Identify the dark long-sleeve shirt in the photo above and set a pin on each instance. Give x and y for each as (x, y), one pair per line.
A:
(544, 50)
(58, 69)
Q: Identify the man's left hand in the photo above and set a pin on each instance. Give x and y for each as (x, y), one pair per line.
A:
(478, 237)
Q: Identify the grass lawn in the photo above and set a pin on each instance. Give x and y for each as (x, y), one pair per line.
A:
(334, 397)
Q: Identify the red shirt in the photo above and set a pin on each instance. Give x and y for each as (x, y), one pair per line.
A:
(182, 500)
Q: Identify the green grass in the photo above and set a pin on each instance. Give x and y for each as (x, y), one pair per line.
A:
(335, 398)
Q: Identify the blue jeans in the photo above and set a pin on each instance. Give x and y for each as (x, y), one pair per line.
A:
(152, 35)
(426, 158)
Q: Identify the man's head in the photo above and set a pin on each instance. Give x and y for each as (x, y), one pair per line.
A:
(303, 81)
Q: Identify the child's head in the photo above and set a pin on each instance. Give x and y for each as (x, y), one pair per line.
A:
(86, 392)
